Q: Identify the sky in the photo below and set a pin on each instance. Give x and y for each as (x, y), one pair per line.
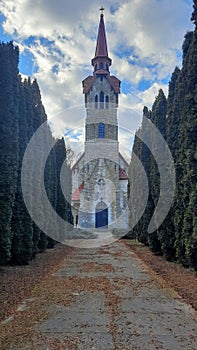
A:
(57, 40)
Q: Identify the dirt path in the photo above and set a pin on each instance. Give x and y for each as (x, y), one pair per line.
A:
(101, 299)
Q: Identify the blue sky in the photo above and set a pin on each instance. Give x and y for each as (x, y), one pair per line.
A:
(57, 42)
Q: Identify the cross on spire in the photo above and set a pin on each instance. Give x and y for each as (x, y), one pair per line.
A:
(102, 9)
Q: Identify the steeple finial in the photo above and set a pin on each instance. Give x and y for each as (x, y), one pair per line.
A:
(102, 9)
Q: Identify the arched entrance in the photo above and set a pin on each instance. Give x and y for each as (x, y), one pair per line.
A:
(101, 215)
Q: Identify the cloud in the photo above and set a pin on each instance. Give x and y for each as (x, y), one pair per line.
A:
(144, 41)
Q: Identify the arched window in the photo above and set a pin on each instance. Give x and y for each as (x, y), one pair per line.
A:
(101, 65)
(107, 102)
(95, 66)
(101, 99)
(96, 101)
(101, 131)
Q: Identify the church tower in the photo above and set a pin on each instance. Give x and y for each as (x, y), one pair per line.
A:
(102, 195)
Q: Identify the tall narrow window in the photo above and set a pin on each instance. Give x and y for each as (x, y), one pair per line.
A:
(101, 99)
(107, 102)
(101, 131)
(101, 65)
(116, 133)
(116, 100)
(96, 101)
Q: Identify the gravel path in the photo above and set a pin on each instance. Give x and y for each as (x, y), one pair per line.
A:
(111, 303)
(142, 316)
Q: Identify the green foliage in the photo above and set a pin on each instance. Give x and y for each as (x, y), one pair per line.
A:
(194, 13)
(63, 207)
(175, 118)
(8, 150)
(22, 230)
(21, 114)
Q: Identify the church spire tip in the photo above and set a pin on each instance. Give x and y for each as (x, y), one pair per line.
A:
(101, 53)
(102, 9)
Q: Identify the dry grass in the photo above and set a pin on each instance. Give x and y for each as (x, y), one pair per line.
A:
(168, 274)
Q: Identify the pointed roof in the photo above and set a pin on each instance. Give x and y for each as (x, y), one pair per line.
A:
(101, 47)
(89, 81)
(101, 62)
(101, 52)
(76, 193)
(122, 174)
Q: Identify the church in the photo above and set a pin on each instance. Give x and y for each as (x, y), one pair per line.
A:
(100, 175)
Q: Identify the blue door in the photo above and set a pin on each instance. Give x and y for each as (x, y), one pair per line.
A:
(101, 215)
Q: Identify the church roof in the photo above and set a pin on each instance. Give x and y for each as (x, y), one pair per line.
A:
(122, 174)
(124, 160)
(77, 162)
(115, 83)
(101, 47)
(89, 81)
(101, 52)
(101, 62)
(76, 193)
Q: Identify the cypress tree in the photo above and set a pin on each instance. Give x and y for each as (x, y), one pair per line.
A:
(158, 117)
(136, 181)
(177, 235)
(9, 56)
(22, 229)
(39, 117)
(194, 13)
(186, 150)
(51, 188)
(63, 207)
(21, 114)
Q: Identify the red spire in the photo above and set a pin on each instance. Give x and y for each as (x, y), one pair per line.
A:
(101, 61)
(101, 47)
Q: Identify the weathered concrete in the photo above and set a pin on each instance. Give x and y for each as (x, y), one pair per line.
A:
(132, 313)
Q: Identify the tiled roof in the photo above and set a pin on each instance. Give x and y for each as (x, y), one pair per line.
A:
(124, 160)
(77, 162)
(101, 47)
(122, 174)
(87, 83)
(114, 82)
(76, 193)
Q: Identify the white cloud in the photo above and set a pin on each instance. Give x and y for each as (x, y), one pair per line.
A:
(144, 38)
(148, 96)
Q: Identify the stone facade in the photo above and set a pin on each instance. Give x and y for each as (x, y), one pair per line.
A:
(100, 175)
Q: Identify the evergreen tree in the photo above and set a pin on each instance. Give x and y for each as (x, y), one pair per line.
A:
(22, 229)
(158, 117)
(9, 88)
(177, 235)
(194, 13)
(39, 117)
(21, 114)
(137, 181)
(51, 189)
(63, 207)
